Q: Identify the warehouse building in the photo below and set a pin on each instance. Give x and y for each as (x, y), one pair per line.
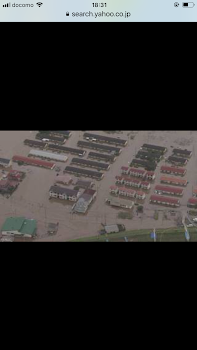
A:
(19, 227)
(48, 155)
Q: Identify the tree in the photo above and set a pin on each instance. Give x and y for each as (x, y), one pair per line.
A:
(140, 209)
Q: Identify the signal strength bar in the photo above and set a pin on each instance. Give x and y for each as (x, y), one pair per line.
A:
(7, 5)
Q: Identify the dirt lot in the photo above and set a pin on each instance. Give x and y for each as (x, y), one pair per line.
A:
(32, 199)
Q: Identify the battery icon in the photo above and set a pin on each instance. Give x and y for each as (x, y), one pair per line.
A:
(188, 4)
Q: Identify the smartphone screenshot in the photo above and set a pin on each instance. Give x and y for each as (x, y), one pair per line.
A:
(98, 11)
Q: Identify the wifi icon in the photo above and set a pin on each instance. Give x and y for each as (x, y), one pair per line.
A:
(39, 4)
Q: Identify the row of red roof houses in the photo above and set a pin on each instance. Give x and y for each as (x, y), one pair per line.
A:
(148, 175)
(174, 181)
(161, 190)
(192, 202)
(173, 171)
(126, 192)
(128, 181)
(166, 201)
(175, 191)
(194, 192)
(35, 162)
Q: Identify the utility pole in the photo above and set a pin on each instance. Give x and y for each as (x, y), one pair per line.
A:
(187, 235)
(45, 211)
(155, 237)
(105, 220)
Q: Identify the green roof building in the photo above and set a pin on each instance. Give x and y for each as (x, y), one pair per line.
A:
(19, 226)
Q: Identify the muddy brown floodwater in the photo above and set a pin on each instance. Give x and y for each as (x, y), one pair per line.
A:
(32, 197)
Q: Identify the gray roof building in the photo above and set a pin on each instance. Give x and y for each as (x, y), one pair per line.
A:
(5, 162)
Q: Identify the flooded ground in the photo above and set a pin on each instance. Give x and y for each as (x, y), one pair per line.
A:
(32, 197)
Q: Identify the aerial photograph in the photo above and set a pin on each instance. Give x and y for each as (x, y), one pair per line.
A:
(98, 186)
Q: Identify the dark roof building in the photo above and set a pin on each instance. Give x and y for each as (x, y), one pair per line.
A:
(177, 160)
(6, 163)
(90, 164)
(105, 139)
(84, 172)
(98, 147)
(182, 153)
(64, 193)
(84, 184)
(155, 148)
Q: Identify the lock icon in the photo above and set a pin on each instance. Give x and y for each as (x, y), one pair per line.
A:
(67, 13)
